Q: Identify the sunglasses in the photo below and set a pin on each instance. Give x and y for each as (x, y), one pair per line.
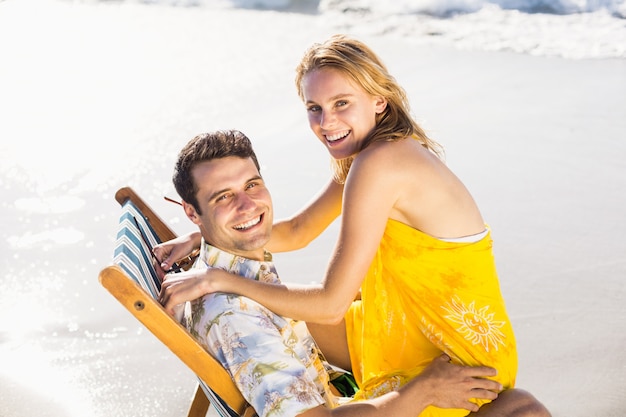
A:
(184, 263)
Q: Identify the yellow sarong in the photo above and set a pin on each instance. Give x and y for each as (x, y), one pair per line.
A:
(423, 296)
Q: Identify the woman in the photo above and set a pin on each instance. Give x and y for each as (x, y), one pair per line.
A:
(412, 241)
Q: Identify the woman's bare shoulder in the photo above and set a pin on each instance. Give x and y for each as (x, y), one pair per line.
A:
(399, 155)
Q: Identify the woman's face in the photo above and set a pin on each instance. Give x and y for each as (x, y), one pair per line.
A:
(341, 113)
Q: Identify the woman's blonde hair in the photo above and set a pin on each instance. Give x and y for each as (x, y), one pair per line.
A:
(358, 62)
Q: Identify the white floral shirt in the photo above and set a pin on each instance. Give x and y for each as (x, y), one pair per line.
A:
(273, 360)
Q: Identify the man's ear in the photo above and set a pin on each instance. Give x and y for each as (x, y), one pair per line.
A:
(191, 213)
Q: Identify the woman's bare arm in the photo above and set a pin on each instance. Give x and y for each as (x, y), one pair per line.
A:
(308, 223)
(288, 234)
(369, 195)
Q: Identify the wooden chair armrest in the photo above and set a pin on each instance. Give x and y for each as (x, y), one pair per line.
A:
(149, 312)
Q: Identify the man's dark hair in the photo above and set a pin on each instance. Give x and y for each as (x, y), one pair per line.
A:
(206, 147)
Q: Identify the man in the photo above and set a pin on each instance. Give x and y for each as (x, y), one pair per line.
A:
(273, 360)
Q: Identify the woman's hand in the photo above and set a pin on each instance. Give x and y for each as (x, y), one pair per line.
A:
(188, 285)
(452, 386)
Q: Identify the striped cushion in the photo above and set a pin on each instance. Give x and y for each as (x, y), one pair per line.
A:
(133, 255)
(131, 252)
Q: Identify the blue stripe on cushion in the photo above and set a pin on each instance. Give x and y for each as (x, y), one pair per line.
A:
(132, 254)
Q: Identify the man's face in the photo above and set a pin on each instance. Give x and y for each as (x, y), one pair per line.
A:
(236, 207)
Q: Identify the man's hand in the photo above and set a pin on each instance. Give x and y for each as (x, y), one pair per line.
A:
(173, 251)
(452, 386)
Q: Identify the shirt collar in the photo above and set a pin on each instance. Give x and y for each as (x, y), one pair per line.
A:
(212, 257)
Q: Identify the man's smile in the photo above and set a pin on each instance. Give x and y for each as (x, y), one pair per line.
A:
(248, 224)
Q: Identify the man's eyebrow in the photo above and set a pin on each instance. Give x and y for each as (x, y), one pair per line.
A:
(216, 193)
(224, 190)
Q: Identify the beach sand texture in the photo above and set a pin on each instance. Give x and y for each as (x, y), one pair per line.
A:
(96, 96)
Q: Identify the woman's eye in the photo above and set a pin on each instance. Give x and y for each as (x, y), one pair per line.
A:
(341, 103)
(314, 109)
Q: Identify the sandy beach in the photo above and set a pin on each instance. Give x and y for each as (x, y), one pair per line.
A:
(96, 96)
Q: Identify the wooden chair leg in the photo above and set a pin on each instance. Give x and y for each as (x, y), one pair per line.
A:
(200, 404)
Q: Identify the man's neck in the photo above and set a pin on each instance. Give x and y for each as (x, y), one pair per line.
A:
(214, 257)
(255, 255)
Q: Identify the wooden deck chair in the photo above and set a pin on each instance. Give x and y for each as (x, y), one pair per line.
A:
(132, 280)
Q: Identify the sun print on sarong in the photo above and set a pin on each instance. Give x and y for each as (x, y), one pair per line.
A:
(476, 325)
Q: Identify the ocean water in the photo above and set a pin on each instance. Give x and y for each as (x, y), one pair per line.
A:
(565, 28)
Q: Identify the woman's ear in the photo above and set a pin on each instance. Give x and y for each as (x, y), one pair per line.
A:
(191, 213)
(380, 104)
